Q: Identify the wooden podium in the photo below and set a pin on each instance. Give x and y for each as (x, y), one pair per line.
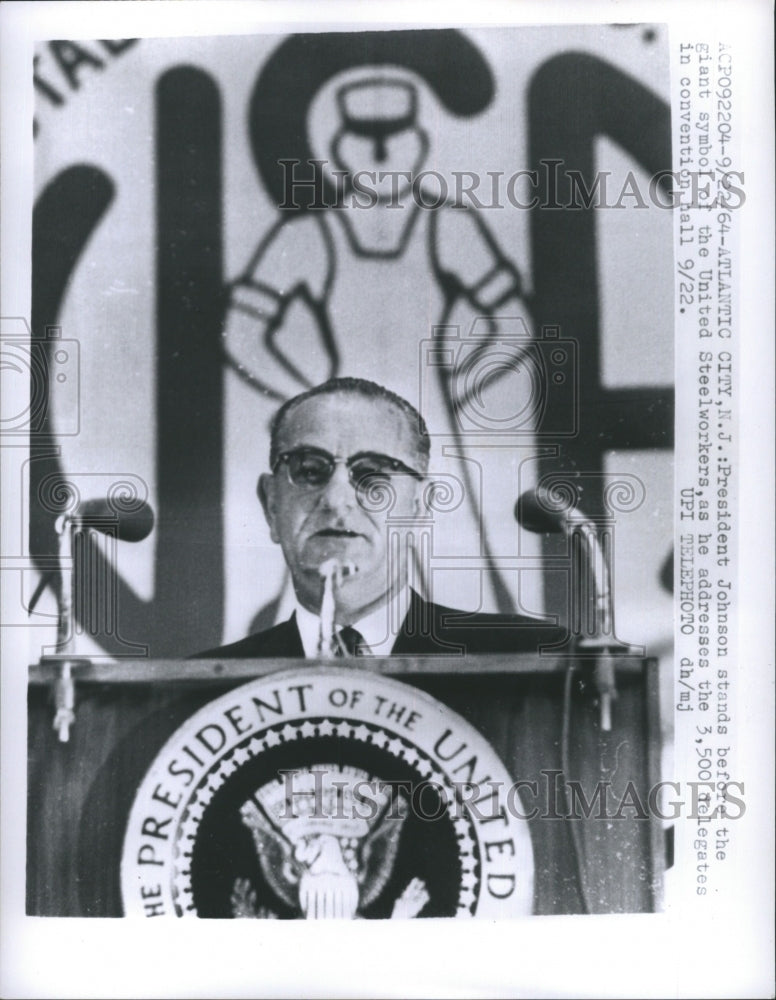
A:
(540, 717)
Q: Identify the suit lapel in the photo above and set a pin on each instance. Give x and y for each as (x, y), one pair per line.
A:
(286, 641)
(417, 630)
(280, 640)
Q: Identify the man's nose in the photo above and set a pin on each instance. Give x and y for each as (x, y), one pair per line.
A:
(338, 494)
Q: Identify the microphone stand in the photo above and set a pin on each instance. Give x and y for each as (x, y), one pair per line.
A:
(130, 522)
(332, 573)
(598, 640)
(64, 687)
(591, 623)
(591, 615)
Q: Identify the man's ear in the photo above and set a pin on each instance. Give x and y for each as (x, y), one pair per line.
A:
(265, 488)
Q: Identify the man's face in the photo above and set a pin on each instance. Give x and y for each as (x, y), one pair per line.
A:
(332, 520)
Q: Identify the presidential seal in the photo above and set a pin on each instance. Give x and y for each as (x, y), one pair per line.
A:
(331, 793)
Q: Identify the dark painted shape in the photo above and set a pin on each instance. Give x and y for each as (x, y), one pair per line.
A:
(189, 589)
(573, 98)
(64, 217)
(186, 610)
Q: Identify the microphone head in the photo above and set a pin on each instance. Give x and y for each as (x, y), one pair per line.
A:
(328, 568)
(348, 569)
(336, 571)
(532, 516)
(131, 522)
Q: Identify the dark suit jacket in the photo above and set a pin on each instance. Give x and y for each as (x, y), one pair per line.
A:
(428, 629)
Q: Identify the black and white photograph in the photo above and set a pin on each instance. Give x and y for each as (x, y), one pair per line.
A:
(374, 546)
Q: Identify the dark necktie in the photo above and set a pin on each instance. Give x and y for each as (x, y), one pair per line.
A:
(351, 643)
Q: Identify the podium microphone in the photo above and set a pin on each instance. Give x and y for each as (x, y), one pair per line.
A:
(130, 524)
(332, 573)
(128, 521)
(540, 518)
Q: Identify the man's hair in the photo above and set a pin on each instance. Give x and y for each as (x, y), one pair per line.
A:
(361, 387)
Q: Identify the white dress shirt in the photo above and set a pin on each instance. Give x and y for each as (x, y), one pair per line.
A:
(379, 628)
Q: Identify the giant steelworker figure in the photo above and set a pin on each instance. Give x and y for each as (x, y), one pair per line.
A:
(337, 451)
(387, 280)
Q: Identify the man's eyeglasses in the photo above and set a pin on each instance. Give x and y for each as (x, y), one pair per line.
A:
(312, 468)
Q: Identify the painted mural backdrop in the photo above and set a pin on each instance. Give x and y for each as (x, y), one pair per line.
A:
(221, 222)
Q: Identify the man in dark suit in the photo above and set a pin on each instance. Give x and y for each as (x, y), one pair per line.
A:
(337, 453)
